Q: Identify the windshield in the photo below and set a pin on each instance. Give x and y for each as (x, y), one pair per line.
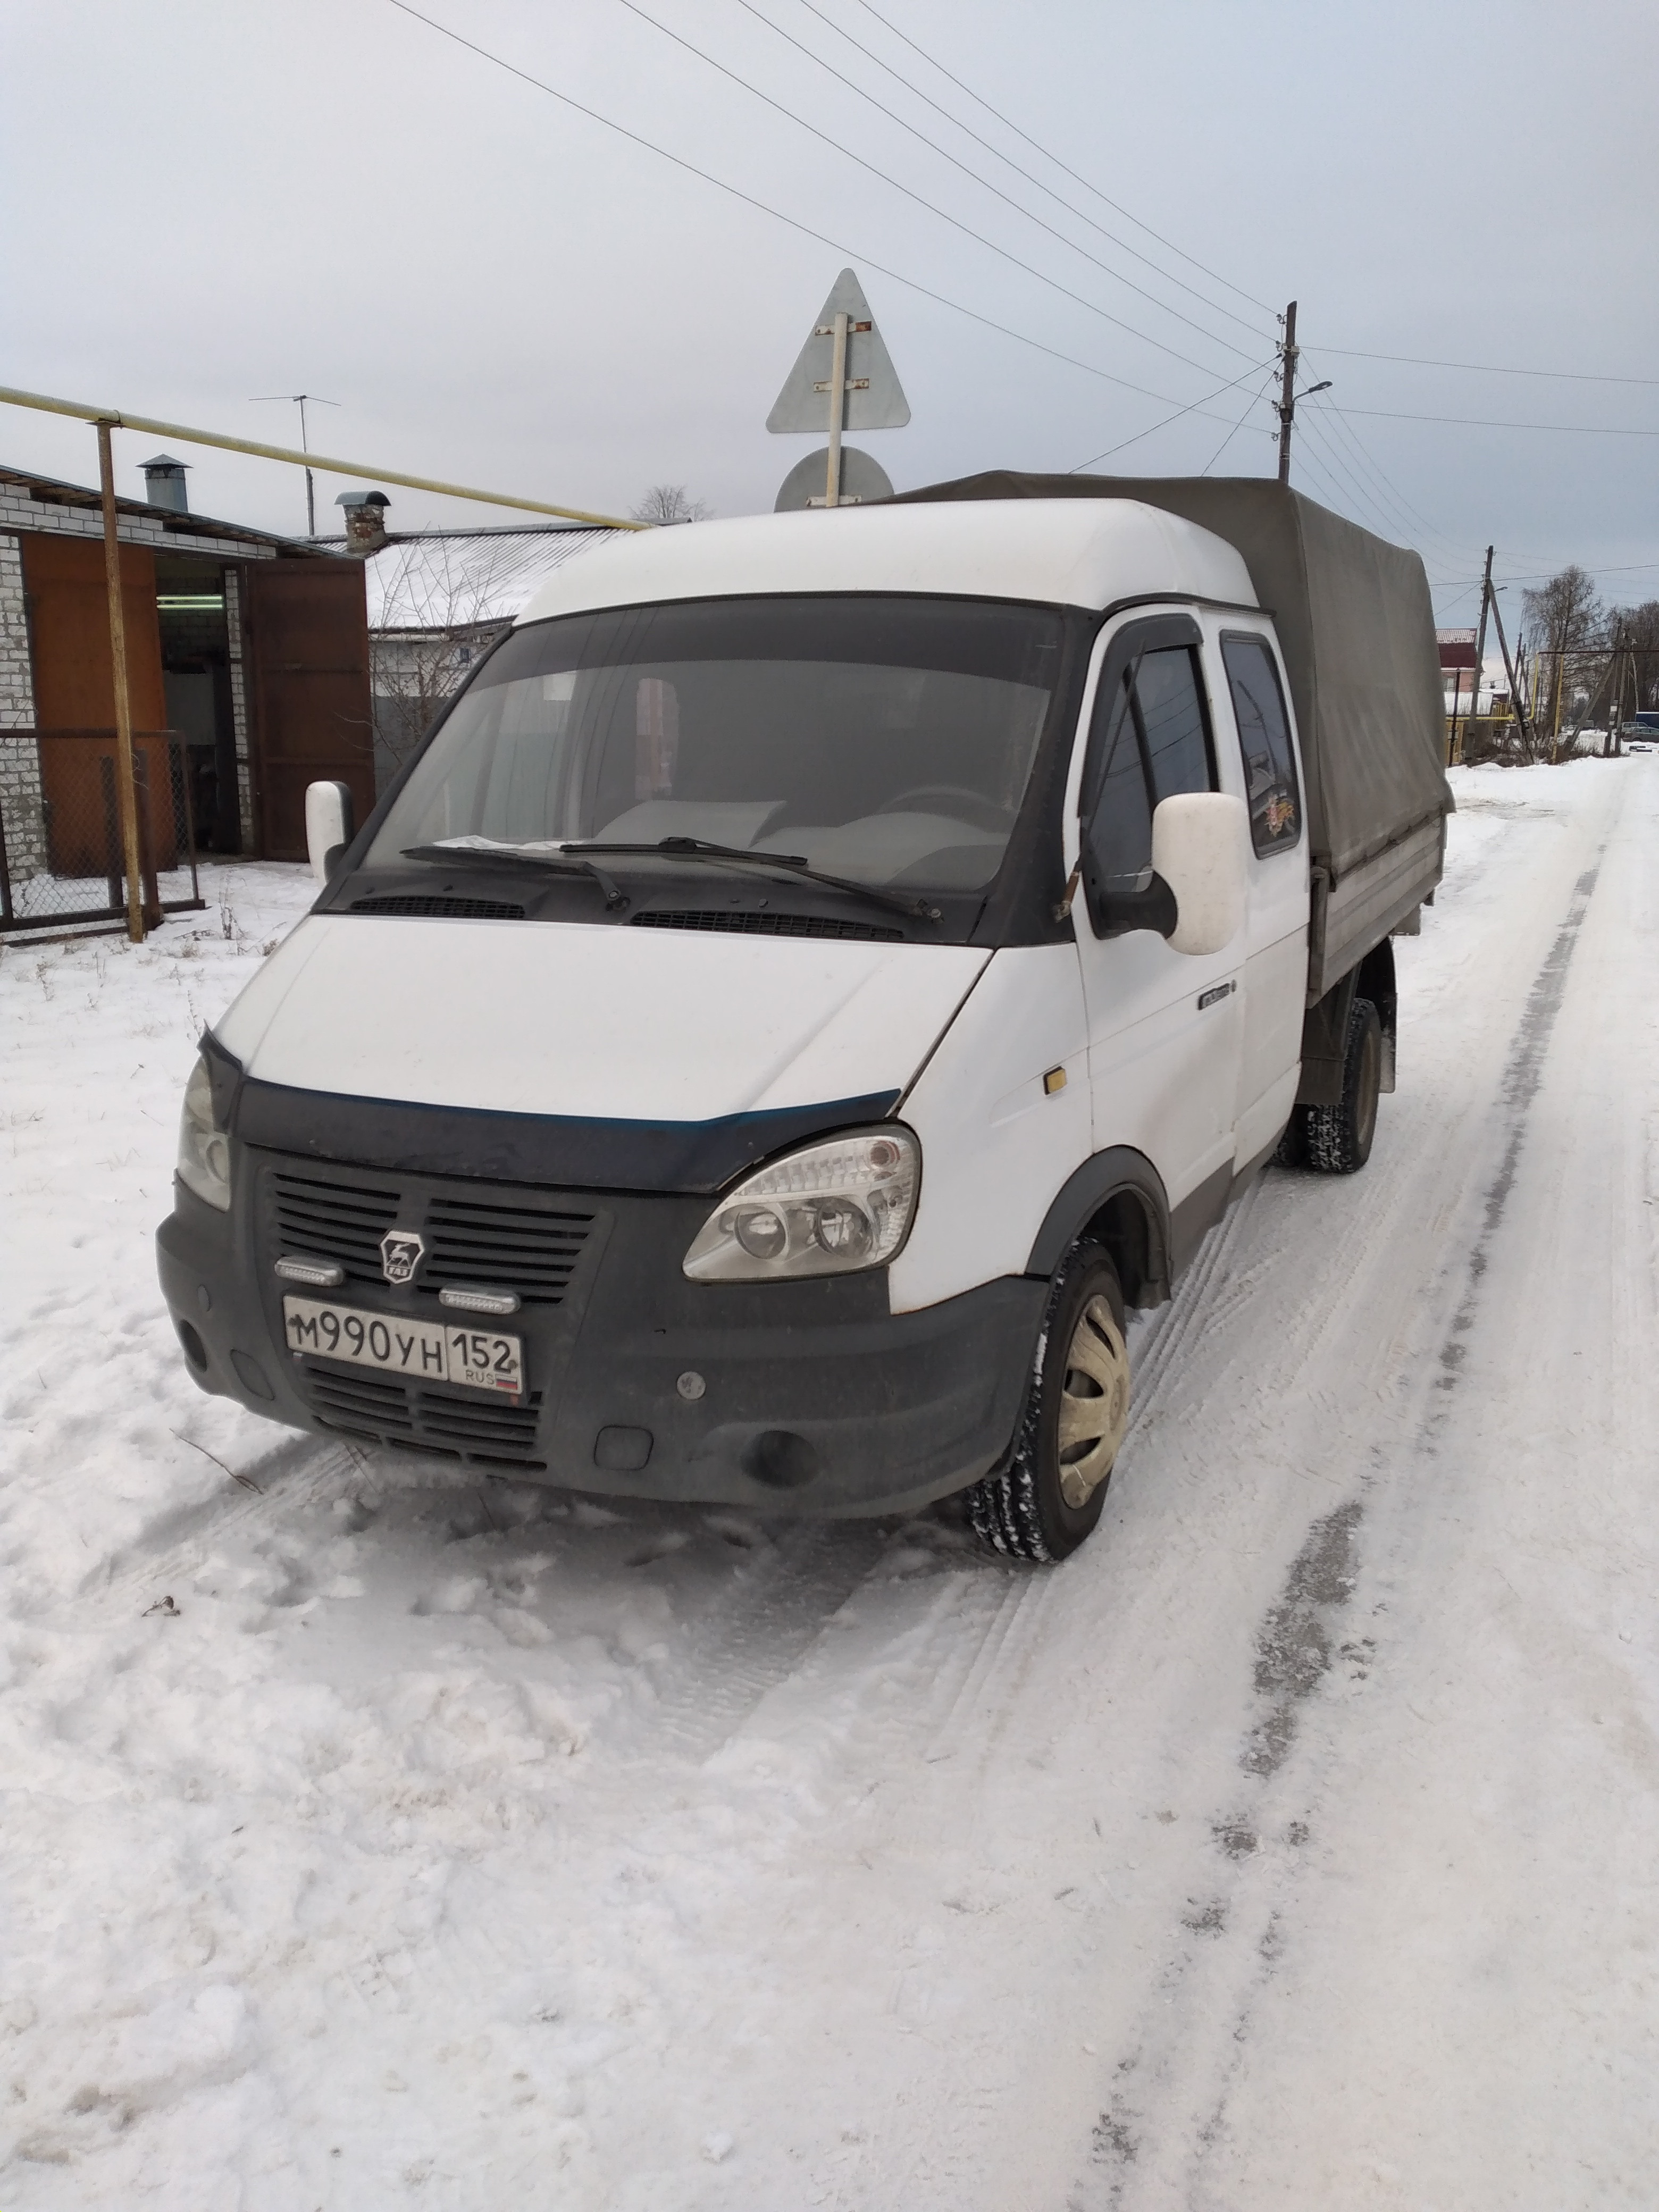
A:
(885, 740)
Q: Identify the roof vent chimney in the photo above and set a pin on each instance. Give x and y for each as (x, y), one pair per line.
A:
(365, 521)
(164, 484)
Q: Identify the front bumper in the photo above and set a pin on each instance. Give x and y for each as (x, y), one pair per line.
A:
(814, 1398)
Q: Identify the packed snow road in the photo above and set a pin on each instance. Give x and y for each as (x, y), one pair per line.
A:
(371, 1839)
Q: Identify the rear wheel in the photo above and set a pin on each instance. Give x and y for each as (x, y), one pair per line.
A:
(1340, 1137)
(1049, 1497)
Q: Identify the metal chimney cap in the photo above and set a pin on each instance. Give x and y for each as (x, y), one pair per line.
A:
(162, 462)
(350, 499)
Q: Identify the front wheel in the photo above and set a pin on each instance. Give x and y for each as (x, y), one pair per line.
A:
(1339, 1137)
(1049, 1497)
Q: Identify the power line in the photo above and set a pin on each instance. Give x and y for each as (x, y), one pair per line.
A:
(933, 146)
(1368, 462)
(1484, 423)
(1543, 576)
(1008, 161)
(1380, 518)
(1413, 521)
(1007, 123)
(1193, 407)
(1339, 499)
(791, 222)
(1492, 368)
(1205, 368)
(1255, 399)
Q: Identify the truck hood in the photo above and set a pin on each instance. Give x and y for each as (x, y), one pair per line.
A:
(593, 1022)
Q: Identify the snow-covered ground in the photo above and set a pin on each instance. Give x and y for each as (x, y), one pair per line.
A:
(374, 1838)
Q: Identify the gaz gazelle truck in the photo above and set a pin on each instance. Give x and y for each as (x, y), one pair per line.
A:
(819, 975)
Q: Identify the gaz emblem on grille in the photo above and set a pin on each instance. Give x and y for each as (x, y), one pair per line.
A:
(400, 1255)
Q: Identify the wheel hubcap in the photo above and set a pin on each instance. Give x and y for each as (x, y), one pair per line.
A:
(1094, 1403)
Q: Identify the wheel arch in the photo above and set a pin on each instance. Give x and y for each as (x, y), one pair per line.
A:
(1115, 1199)
(1325, 1026)
(1376, 983)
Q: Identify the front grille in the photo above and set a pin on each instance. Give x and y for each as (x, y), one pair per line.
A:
(494, 1432)
(530, 1250)
(509, 1248)
(768, 924)
(342, 1220)
(448, 909)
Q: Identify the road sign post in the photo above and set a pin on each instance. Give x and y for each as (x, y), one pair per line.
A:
(843, 378)
(837, 409)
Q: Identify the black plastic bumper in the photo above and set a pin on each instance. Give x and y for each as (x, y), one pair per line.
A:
(805, 1397)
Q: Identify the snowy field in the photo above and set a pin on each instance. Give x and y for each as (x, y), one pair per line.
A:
(372, 1839)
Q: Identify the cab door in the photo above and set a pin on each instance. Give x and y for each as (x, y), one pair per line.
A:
(1164, 1027)
(1274, 990)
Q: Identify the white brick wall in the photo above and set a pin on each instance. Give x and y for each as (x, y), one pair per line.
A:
(16, 675)
(238, 706)
(20, 759)
(20, 511)
(21, 811)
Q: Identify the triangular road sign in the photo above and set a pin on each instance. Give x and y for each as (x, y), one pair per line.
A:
(875, 399)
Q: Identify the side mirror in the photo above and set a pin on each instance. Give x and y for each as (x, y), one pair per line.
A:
(328, 826)
(1198, 848)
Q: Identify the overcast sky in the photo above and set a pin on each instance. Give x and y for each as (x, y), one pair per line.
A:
(207, 203)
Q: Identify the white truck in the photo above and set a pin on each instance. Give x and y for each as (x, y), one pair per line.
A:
(821, 973)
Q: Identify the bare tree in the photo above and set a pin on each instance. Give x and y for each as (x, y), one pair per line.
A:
(665, 503)
(1569, 622)
(436, 615)
(1639, 628)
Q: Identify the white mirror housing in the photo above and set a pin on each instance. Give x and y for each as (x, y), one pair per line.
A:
(1199, 841)
(328, 825)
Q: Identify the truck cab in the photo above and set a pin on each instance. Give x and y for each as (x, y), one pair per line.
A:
(820, 974)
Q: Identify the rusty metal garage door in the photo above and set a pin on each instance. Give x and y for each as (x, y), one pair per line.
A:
(307, 644)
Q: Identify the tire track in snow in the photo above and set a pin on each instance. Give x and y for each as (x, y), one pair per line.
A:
(985, 1661)
(1299, 1641)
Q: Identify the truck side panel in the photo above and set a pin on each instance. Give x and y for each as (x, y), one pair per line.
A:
(1357, 913)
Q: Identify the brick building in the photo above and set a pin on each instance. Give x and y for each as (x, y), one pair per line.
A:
(247, 660)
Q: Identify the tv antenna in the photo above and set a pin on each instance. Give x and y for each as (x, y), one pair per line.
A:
(302, 400)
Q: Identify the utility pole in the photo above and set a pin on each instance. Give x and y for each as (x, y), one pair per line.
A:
(1287, 394)
(1481, 636)
(127, 795)
(1508, 671)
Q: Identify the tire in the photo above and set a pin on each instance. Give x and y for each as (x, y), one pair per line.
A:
(1291, 1150)
(1049, 1496)
(1340, 1137)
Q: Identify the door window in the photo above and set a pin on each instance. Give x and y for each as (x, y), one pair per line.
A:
(1120, 832)
(1172, 718)
(1151, 741)
(1264, 738)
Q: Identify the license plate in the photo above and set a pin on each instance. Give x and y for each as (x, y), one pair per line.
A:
(426, 1352)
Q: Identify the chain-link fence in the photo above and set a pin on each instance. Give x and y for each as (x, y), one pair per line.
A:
(61, 858)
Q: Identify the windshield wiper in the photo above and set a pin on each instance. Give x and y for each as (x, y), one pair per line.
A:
(506, 855)
(792, 864)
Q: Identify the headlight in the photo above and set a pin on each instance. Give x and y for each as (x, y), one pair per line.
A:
(827, 1210)
(204, 1151)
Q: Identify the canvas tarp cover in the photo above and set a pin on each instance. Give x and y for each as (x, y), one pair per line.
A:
(1354, 618)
